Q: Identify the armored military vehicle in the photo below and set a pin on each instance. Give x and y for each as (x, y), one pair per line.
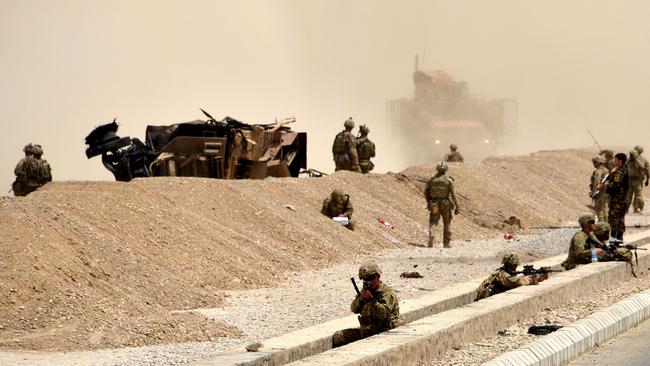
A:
(226, 149)
(442, 112)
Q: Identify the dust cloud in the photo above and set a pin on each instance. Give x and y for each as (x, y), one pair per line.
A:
(67, 66)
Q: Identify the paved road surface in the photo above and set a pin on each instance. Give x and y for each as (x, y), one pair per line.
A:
(631, 348)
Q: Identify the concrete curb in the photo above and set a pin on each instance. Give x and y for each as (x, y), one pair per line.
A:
(316, 340)
(567, 343)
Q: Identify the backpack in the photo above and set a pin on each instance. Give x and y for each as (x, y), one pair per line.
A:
(339, 146)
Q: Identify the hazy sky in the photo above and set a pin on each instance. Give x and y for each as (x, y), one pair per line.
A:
(67, 66)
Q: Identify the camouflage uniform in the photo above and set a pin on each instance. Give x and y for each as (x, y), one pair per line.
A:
(644, 163)
(617, 188)
(27, 173)
(365, 150)
(580, 247)
(376, 315)
(502, 279)
(636, 170)
(454, 156)
(336, 204)
(344, 149)
(441, 200)
(599, 237)
(601, 200)
(44, 170)
(608, 155)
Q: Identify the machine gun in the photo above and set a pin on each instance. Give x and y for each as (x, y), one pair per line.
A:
(530, 270)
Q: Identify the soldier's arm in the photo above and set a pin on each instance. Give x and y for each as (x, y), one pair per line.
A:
(384, 307)
(372, 150)
(349, 209)
(509, 282)
(325, 209)
(357, 305)
(580, 247)
(452, 192)
(18, 171)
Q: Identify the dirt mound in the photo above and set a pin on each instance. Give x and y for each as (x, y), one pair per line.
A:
(103, 264)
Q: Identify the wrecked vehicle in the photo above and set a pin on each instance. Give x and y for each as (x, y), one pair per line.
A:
(226, 149)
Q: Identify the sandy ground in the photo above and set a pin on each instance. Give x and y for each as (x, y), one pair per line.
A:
(93, 265)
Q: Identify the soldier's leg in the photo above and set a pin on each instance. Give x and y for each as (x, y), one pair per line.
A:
(345, 336)
(446, 221)
(599, 208)
(630, 195)
(434, 218)
(350, 225)
(612, 219)
(639, 201)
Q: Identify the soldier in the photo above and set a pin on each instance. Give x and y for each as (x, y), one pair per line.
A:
(441, 200)
(338, 205)
(580, 247)
(365, 150)
(26, 172)
(601, 199)
(344, 149)
(644, 163)
(600, 238)
(44, 169)
(609, 158)
(376, 305)
(504, 278)
(454, 156)
(617, 186)
(636, 172)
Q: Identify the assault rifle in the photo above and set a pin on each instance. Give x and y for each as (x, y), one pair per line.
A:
(530, 270)
(366, 286)
(596, 191)
(614, 244)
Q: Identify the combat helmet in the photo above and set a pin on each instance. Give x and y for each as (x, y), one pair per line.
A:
(601, 228)
(453, 147)
(607, 153)
(28, 149)
(364, 130)
(586, 218)
(634, 153)
(349, 123)
(38, 150)
(338, 194)
(510, 259)
(598, 159)
(639, 148)
(441, 167)
(368, 268)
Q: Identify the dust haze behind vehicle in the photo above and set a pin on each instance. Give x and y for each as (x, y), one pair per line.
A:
(443, 112)
(226, 149)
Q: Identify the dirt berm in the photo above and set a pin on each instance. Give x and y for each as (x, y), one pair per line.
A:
(89, 265)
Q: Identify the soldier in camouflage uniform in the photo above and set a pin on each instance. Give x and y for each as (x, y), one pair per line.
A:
(644, 163)
(376, 305)
(454, 155)
(365, 150)
(504, 278)
(27, 173)
(636, 172)
(617, 186)
(609, 158)
(600, 237)
(601, 199)
(580, 247)
(441, 200)
(344, 149)
(338, 204)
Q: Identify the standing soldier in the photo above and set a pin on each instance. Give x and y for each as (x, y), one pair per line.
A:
(44, 170)
(600, 200)
(454, 156)
(636, 171)
(441, 200)
(617, 186)
(609, 158)
(344, 149)
(26, 173)
(365, 150)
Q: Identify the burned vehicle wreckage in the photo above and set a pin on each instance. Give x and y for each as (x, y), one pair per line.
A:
(226, 149)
